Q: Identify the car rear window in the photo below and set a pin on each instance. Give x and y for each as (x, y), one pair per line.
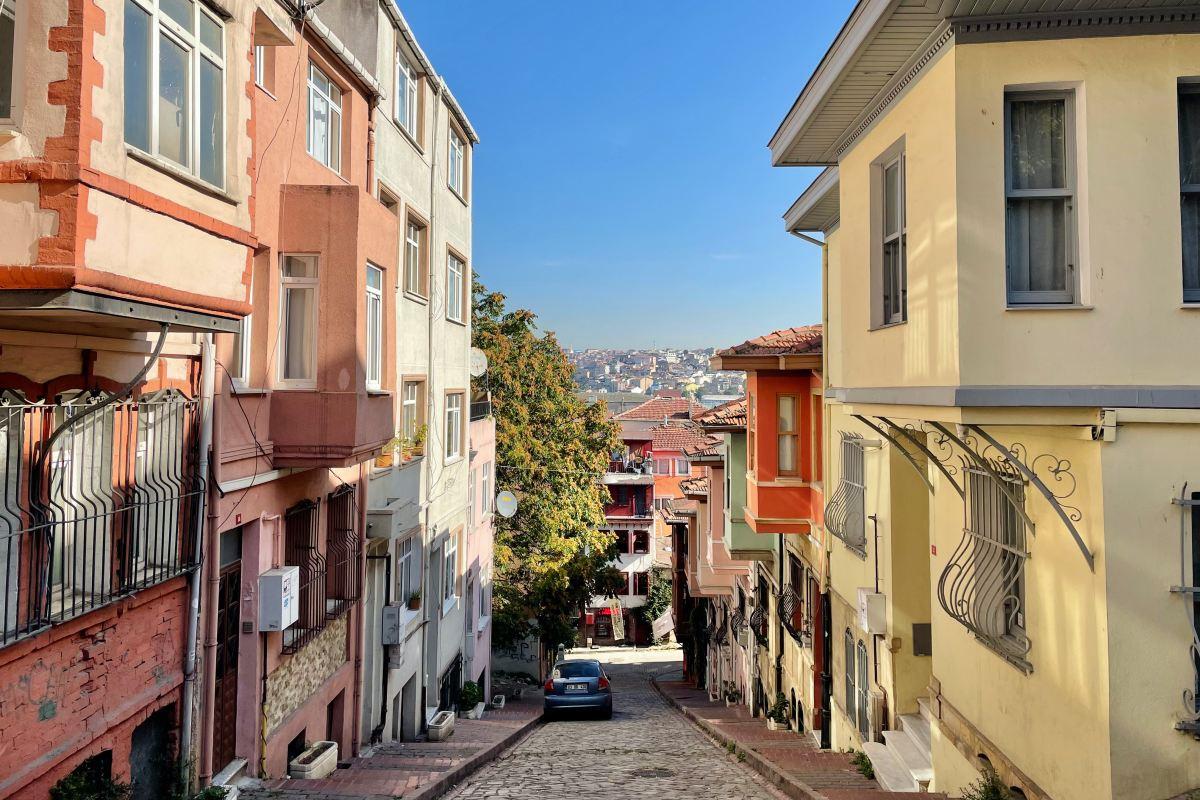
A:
(577, 669)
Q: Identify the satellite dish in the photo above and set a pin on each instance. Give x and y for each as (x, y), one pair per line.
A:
(479, 362)
(506, 504)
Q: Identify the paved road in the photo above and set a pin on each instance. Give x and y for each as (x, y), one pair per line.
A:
(647, 750)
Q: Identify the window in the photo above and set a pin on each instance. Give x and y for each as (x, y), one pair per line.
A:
(863, 685)
(845, 514)
(662, 466)
(751, 419)
(894, 277)
(641, 542)
(264, 67)
(788, 432)
(388, 200)
(454, 425)
(415, 261)
(455, 288)
(450, 569)
(374, 326)
(406, 95)
(1189, 187)
(412, 408)
(405, 581)
(8, 57)
(641, 583)
(816, 442)
(486, 491)
(341, 551)
(683, 466)
(239, 366)
(621, 543)
(851, 692)
(298, 323)
(472, 484)
(324, 119)
(301, 548)
(455, 166)
(175, 84)
(1040, 178)
(999, 553)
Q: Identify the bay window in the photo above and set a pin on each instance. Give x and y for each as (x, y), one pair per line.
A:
(788, 432)
(324, 119)
(1040, 194)
(298, 320)
(374, 318)
(174, 54)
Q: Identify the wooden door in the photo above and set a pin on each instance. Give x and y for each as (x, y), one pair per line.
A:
(228, 633)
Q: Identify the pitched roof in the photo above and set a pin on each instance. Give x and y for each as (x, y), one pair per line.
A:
(698, 485)
(711, 446)
(802, 341)
(664, 408)
(676, 436)
(726, 415)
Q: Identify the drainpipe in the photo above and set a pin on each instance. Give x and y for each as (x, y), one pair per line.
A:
(207, 383)
(356, 713)
(779, 632)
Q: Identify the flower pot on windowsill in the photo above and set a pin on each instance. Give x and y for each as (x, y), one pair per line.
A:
(414, 603)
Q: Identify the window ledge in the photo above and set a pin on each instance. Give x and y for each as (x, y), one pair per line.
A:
(1050, 307)
(265, 91)
(449, 605)
(162, 165)
(416, 298)
(884, 326)
(239, 388)
(378, 392)
(482, 624)
(456, 321)
(1183, 306)
(412, 140)
(8, 131)
(456, 193)
(452, 460)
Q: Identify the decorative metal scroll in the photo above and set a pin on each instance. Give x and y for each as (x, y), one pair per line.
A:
(721, 637)
(1189, 588)
(791, 611)
(758, 625)
(939, 459)
(882, 431)
(845, 513)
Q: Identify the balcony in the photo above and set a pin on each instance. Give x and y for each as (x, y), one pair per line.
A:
(394, 500)
(329, 429)
(633, 471)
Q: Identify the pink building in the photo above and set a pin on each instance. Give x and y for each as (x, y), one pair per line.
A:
(477, 566)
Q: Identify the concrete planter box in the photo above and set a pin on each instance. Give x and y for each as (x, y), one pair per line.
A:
(441, 726)
(498, 701)
(475, 712)
(318, 761)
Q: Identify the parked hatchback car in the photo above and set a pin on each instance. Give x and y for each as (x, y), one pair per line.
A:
(579, 685)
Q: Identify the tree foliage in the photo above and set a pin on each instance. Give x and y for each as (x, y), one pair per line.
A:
(658, 596)
(551, 448)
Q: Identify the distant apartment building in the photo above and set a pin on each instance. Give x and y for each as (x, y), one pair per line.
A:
(126, 204)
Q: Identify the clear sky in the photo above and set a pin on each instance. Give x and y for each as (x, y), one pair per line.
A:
(622, 186)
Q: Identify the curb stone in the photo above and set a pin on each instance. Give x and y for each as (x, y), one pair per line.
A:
(452, 778)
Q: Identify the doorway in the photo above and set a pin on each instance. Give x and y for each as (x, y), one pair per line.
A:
(229, 612)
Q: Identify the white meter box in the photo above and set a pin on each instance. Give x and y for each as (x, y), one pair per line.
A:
(278, 598)
(872, 612)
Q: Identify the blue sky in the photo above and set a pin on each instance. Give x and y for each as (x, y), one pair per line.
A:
(622, 187)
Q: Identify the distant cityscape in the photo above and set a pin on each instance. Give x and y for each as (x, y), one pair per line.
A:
(642, 373)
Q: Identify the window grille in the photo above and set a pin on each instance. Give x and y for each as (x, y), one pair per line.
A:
(851, 692)
(791, 611)
(983, 584)
(758, 624)
(302, 549)
(113, 510)
(342, 549)
(845, 514)
(863, 684)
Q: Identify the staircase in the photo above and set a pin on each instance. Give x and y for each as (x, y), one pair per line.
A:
(902, 763)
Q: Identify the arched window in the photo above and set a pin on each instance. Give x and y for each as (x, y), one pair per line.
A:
(851, 693)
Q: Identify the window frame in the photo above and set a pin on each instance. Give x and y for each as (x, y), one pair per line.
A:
(414, 220)
(285, 283)
(419, 382)
(241, 346)
(645, 547)
(450, 562)
(460, 437)
(1069, 193)
(332, 109)
(192, 43)
(1186, 86)
(794, 434)
(376, 328)
(485, 504)
(411, 121)
(404, 562)
(849, 656)
(863, 685)
(682, 466)
(456, 162)
(751, 403)
(461, 304)
(19, 14)
(895, 312)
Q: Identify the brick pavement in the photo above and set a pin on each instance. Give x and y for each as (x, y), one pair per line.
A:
(791, 761)
(412, 770)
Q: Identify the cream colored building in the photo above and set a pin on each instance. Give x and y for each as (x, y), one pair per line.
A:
(1012, 410)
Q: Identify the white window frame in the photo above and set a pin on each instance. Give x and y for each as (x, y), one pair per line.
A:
(472, 483)
(404, 562)
(454, 432)
(417, 386)
(415, 257)
(374, 319)
(1069, 193)
(898, 310)
(260, 66)
(241, 378)
(286, 283)
(450, 572)
(161, 24)
(17, 11)
(683, 466)
(332, 158)
(407, 101)
(485, 503)
(455, 172)
(456, 276)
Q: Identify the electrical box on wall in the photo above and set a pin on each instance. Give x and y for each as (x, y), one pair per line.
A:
(872, 612)
(393, 621)
(278, 598)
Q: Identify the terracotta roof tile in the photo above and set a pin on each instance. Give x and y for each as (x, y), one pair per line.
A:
(664, 408)
(726, 415)
(711, 446)
(676, 436)
(802, 341)
(698, 485)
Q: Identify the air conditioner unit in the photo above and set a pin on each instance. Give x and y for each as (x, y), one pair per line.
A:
(877, 703)
(872, 612)
(278, 598)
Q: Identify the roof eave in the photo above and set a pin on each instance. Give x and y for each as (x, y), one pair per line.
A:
(762, 363)
(801, 217)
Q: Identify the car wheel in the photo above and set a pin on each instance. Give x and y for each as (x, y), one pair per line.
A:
(607, 713)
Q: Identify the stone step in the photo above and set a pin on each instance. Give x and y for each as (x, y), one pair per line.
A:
(918, 729)
(891, 774)
(926, 709)
(918, 762)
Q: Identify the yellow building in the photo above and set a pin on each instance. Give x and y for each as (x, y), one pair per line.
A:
(1011, 257)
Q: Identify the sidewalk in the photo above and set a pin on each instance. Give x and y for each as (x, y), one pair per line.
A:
(791, 762)
(413, 770)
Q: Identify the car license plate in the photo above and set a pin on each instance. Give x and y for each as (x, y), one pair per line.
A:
(576, 688)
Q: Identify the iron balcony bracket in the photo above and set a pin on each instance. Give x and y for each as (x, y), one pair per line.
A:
(1001, 483)
(933, 459)
(1051, 498)
(903, 450)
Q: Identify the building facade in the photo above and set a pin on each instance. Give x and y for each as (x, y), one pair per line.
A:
(1010, 443)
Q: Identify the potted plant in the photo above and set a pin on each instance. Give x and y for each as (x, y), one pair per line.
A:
(777, 716)
(732, 695)
(388, 456)
(414, 600)
(418, 440)
(470, 700)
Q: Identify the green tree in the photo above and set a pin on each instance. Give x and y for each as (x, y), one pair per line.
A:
(658, 596)
(551, 448)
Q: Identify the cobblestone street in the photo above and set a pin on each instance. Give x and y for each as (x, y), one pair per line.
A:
(647, 750)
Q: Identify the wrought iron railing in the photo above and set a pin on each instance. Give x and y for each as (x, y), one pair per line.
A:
(111, 509)
(758, 624)
(983, 583)
(301, 549)
(845, 513)
(721, 636)
(791, 611)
